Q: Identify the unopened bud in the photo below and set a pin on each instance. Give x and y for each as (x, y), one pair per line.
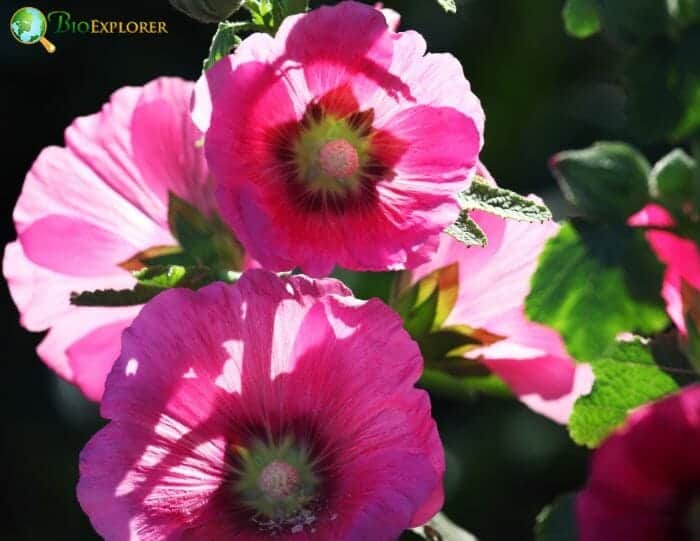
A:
(208, 11)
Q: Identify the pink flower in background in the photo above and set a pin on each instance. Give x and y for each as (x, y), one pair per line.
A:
(681, 257)
(493, 284)
(393, 18)
(644, 483)
(88, 207)
(339, 142)
(264, 409)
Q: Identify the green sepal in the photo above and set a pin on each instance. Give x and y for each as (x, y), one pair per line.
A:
(607, 180)
(207, 240)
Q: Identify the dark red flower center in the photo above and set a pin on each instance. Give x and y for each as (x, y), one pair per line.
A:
(333, 159)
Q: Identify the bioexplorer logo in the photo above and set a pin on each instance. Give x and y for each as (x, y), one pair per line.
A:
(29, 25)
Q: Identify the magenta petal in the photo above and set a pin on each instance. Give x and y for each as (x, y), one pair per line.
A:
(442, 143)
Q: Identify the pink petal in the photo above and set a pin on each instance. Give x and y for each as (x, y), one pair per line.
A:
(653, 215)
(357, 57)
(58, 243)
(441, 143)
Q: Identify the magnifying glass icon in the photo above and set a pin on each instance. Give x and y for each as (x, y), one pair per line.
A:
(28, 26)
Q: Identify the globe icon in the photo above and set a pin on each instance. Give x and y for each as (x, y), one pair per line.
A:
(28, 26)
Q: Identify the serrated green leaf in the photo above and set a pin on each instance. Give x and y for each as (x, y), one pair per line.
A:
(595, 281)
(581, 18)
(207, 240)
(607, 180)
(467, 231)
(557, 521)
(626, 377)
(450, 6)
(504, 203)
(671, 179)
(225, 40)
(441, 528)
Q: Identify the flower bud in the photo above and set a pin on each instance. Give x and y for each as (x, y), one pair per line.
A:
(208, 11)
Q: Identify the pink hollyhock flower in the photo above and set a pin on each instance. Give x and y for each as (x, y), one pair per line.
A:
(264, 409)
(88, 207)
(681, 257)
(339, 141)
(644, 483)
(493, 284)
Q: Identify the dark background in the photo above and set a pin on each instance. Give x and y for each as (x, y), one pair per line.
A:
(542, 92)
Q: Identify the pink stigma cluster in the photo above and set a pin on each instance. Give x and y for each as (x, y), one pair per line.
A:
(339, 159)
(278, 480)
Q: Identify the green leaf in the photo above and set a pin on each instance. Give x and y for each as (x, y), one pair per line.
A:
(626, 377)
(607, 180)
(581, 18)
(671, 179)
(140, 294)
(557, 521)
(595, 281)
(467, 231)
(450, 6)
(150, 282)
(504, 203)
(441, 528)
(225, 40)
(207, 240)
